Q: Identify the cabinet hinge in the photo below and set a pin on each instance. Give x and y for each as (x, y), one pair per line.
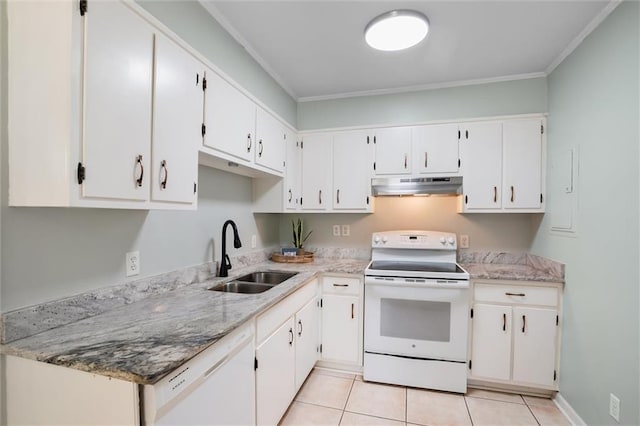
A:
(367, 140)
(557, 320)
(469, 364)
(300, 200)
(204, 84)
(320, 348)
(301, 144)
(321, 302)
(83, 7)
(555, 375)
(466, 134)
(80, 173)
(542, 129)
(471, 312)
(297, 144)
(255, 363)
(204, 129)
(195, 185)
(374, 139)
(458, 134)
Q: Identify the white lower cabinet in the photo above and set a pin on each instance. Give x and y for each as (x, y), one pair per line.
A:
(515, 335)
(342, 320)
(287, 342)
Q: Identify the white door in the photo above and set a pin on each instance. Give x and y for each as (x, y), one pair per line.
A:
(230, 119)
(397, 316)
(522, 145)
(393, 151)
(226, 396)
(435, 149)
(177, 117)
(316, 171)
(270, 145)
(481, 155)
(275, 375)
(534, 345)
(491, 342)
(352, 170)
(307, 322)
(117, 103)
(340, 318)
(293, 171)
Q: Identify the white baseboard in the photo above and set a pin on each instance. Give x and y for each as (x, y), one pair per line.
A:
(568, 411)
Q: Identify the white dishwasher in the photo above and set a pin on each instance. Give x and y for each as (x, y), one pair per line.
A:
(217, 387)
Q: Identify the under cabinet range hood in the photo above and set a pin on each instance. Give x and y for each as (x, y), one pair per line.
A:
(416, 186)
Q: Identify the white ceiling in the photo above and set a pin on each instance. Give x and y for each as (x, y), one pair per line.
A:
(316, 49)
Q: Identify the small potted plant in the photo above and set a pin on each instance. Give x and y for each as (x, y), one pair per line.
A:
(299, 237)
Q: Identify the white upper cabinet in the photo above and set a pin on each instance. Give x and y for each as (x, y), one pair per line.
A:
(316, 171)
(435, 149)
(229, 119)
(177, 116)
(352, 171)
(523, 164)
(270, 145)
(481, 156)
(292, 179)
(392, 151)
(92, 143)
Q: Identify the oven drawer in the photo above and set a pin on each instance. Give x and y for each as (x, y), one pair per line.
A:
(341, 285)
(516, 294)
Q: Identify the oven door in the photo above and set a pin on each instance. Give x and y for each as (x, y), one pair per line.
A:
(416, 318)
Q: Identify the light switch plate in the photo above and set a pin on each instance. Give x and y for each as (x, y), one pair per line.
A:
(464, 241)
(346, 230)
(336, 230)
(254, 241)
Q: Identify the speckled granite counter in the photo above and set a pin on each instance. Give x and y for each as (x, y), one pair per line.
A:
(146, 339)
(511, 266)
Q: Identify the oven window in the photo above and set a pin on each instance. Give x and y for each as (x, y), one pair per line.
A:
(415, 319)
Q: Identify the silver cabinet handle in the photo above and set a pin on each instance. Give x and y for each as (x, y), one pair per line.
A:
(495, 194)
(352, 313)
(512, 193)
(426, 157)
(524, 323)
(405, 161)
(260, 148)
(515, 294)
(290, 195)
(320, 196)
(300, 331)
(291, 334)
(141, 177)
(163, 166)
(248, 142)
(338, 196)
(340, 285)
(504, 322)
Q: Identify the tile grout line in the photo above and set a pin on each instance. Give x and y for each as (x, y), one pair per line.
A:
(468, 411)
(344, 407)
(530, 410)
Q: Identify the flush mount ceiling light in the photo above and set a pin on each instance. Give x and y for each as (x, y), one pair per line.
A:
(396, 30)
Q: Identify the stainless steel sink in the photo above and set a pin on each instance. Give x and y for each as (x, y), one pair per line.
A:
(266, 277)
(254, 283)
(241, 287)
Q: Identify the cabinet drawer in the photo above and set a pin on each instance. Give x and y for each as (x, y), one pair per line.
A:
(341, 285)
(516, 295)
(275, 316)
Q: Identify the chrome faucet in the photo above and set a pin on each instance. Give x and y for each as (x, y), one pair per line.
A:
(225, 263)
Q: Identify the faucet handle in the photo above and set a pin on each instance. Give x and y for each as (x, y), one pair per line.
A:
(227, 261)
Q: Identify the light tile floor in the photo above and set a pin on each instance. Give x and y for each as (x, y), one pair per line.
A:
(333, 398)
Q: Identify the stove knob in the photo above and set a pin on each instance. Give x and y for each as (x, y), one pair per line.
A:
(443, 240)
(376, 239)
(384, 239)
(451, 240)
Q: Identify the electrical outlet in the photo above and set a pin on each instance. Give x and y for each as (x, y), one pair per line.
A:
(254, 241)
(464, 241)
(346, 230)
(132, 263)
(614, 407)
(336, 230)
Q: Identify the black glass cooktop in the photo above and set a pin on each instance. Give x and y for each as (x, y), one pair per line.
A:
(384, 265)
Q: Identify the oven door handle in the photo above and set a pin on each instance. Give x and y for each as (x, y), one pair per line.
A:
(436, 284)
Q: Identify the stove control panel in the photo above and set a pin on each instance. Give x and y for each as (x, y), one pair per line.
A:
(414, 240)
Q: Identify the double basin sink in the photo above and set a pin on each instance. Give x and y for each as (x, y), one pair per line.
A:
(255, 282)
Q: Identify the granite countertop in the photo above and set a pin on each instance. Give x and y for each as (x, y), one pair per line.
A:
(511, 266)
(143, 341)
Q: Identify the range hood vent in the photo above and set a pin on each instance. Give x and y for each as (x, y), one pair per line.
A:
(416, 186)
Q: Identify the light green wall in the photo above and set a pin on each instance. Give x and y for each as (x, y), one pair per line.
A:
(190, 20)
(483, 100)
(49, 253)
(594, 105)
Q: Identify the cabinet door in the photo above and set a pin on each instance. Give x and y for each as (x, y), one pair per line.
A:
(270, 141)
(316, 171)
(522, 145)
(275, 375)
(392, 151)
(352, 167)
(435, 149)
(293, 171)
(118, 72)
(534, 345)
(340, 318)
(481, 155)
(491, 342)
(229, 117)
(307, 324)
(177, 116)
